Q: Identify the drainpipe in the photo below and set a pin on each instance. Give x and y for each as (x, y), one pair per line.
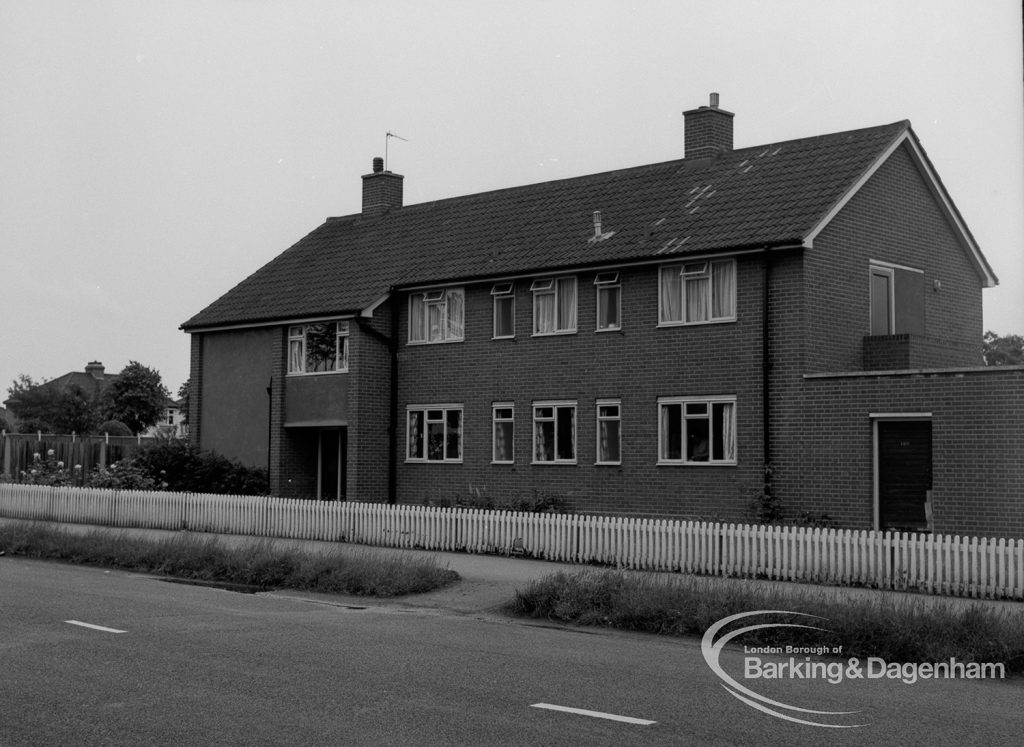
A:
(766, 445)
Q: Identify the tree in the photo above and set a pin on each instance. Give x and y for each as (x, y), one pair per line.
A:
(40, 406)
(1003, 350)
(136, 397)
(183, 393)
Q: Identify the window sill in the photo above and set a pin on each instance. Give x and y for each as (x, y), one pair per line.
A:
(554, 334)
(504, 337)
(435, 342)
(607, 329)
(433, 461)
(298, 374)
(506, 464)
(665, 463)
(607, 464)
(728, 320)
(556, 463)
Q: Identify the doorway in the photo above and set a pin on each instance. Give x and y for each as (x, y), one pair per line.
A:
(332, 452)
(903, 474)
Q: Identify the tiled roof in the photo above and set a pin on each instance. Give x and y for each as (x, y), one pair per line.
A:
(766, 195)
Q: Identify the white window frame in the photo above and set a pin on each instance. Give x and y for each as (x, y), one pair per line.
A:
(297, 335)
(683, 459)
(450, 330)
(495, 420)
(552, 286)
(617, 418)
(890, 274)
(428, 418)
(697, 269)
(504, 293)
(555, 406)
(605, 282)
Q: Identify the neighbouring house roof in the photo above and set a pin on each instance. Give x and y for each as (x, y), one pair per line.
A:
(93, 381)
(773, 195)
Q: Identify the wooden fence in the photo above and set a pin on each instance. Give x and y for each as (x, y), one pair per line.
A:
(17, 450)
(941, 564)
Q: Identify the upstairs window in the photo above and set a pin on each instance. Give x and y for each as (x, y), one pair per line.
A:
(697, 430)
(897, 296)
(437, 315)
(882, 302)
(434, 434)
(504, 310)
(554, 306)
(608, 301)
(318, 348)
(697, 292)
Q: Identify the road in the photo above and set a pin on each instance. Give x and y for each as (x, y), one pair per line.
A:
(195, 665)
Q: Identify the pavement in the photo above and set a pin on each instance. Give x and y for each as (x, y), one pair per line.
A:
(488, 582)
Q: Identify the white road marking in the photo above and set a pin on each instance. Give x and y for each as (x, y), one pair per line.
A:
(94, 627)
(594, 714)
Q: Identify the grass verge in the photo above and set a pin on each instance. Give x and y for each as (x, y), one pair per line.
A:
(194, 557)
(893, 628)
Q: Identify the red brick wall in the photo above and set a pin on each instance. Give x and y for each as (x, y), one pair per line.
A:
(977, 447)
(893, 218)
(637, 365)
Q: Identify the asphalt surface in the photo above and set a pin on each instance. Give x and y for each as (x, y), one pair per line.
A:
(90, 656)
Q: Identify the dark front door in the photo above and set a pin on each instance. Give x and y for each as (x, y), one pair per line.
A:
(904, 473)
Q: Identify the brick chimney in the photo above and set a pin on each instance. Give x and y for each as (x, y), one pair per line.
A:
(95, 369)
(708, 130)
(382, 190)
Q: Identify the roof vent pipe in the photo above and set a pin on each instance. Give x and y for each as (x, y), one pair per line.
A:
(597, 224)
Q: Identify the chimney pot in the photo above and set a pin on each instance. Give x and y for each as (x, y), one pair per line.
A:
(378, 165)
(714, 100)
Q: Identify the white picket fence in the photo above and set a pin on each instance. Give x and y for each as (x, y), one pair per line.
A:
(941, 564)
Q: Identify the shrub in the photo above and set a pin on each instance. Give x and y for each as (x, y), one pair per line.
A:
(180, 466)
(114, 428)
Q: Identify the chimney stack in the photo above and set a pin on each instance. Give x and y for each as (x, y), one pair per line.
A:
(95, 369)
(708, 130)
(382, 190)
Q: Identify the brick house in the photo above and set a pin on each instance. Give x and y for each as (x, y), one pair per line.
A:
(801, 319)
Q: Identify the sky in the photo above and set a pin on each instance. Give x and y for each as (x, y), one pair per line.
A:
(154, 154)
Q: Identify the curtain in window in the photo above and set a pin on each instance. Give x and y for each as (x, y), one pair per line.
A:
(609, 440)
(729, 431)
(566, 303)
(295, 356)
(723, 278)
(671, 295)
(416, 311)
(502, 441)
(544, 436)
(415, 435)
(671, 432)
(544, 312)
(697, 290)
(436, 322)
(607, 307)
(456, 314)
